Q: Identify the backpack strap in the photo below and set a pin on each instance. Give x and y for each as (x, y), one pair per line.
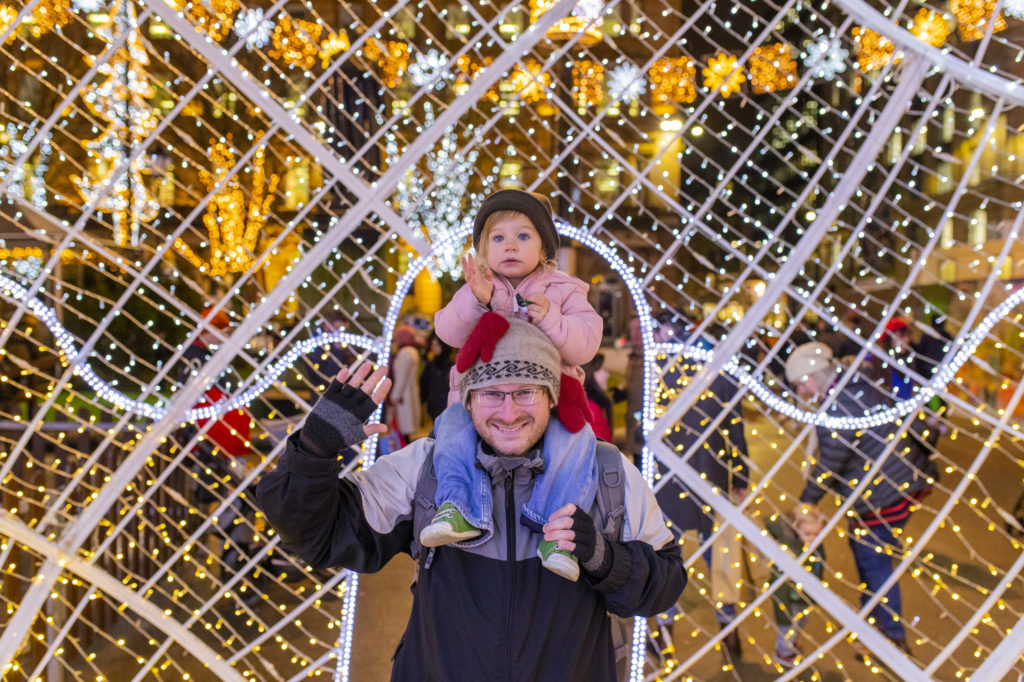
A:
(423, 509)
(611, 490)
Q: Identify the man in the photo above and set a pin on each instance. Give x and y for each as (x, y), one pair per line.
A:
(720, 457)
(489, 611)
(883, 507)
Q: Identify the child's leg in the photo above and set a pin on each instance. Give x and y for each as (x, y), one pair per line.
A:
(787, 642)
(570, 475)
(459, 481)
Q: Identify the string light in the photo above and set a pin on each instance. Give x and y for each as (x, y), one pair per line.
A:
(587, 82)
(874, 51)
(583, 21)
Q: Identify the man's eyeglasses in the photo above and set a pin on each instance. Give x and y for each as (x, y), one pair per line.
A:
(522, 397)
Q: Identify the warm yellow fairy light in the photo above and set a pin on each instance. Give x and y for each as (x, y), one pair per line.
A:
(50, 14)
(721, 74)
(295, 42)
(584, 21)
(392, 57)
(332, 45)
(930, 27)
(974, 16)
(873, 49)
(233, 228)
(8, 15)
(529, 82)
(587, 79)
(772, 68)
(215, 17)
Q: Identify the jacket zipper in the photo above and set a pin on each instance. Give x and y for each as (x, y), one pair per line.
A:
(510, 558)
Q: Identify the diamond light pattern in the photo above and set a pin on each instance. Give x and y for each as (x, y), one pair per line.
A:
(771, 171)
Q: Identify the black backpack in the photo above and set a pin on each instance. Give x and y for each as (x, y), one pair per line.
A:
(611, 506)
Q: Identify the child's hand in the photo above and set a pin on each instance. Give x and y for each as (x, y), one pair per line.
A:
(538, 307)
(480, 283)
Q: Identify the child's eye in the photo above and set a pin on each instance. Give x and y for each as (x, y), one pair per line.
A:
(497, 238)
(524, 236)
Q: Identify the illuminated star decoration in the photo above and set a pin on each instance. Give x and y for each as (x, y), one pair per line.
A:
(88, 6)
(723, 75)
(1014, 8)
(826, 57)
(443, 210)
(253, 28)
(625, 83)
(429, 67)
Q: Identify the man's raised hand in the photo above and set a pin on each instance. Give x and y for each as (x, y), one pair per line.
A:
(337, 419)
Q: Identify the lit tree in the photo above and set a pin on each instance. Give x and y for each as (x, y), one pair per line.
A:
(233, 227)
(444, 209)
(121, 99)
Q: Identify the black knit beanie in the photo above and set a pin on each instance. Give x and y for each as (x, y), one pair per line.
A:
(536, 207)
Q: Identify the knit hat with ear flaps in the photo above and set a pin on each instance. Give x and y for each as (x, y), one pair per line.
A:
(536, 207)
(807, 359)
(517, 354)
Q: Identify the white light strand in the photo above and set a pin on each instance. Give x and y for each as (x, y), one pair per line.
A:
(65, 343)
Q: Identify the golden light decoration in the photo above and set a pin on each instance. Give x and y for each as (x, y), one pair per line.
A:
(930, 27)
(584, 21)
(50, 14)
(233, 228)
(468, 70)
(215, 18)
(723, 75)
(973, 18)
(296, 42)
(120, 96)
(392, 57)
(8, 15)
(772, 68)
(332, 45)
(874, 50)
(587, 82)
(529, 83)
(673, 80)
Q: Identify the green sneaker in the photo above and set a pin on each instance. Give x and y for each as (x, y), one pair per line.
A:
(447, 526)
(558, 561)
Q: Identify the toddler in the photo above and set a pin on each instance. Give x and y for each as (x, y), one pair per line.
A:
(514, 275)
(794, 529)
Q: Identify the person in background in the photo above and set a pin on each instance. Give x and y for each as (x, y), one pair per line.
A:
(598, 400)
(434, 378)
(719, 455)
(323, 363)
(404, 402)
(794, 532)
(883, 507)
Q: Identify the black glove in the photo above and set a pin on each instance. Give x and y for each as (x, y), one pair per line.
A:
(591, 547)
(336, 420)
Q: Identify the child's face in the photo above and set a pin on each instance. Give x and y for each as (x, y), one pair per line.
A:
(513, 248)
(807, 529)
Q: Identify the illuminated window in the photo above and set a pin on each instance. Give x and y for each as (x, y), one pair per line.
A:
(977, 232)
(946, 239)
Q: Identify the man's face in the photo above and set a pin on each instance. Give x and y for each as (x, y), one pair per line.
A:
(511, 429)
(808, 388)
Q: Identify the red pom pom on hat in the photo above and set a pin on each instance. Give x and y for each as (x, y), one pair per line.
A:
(481, 341)
(573, 409)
